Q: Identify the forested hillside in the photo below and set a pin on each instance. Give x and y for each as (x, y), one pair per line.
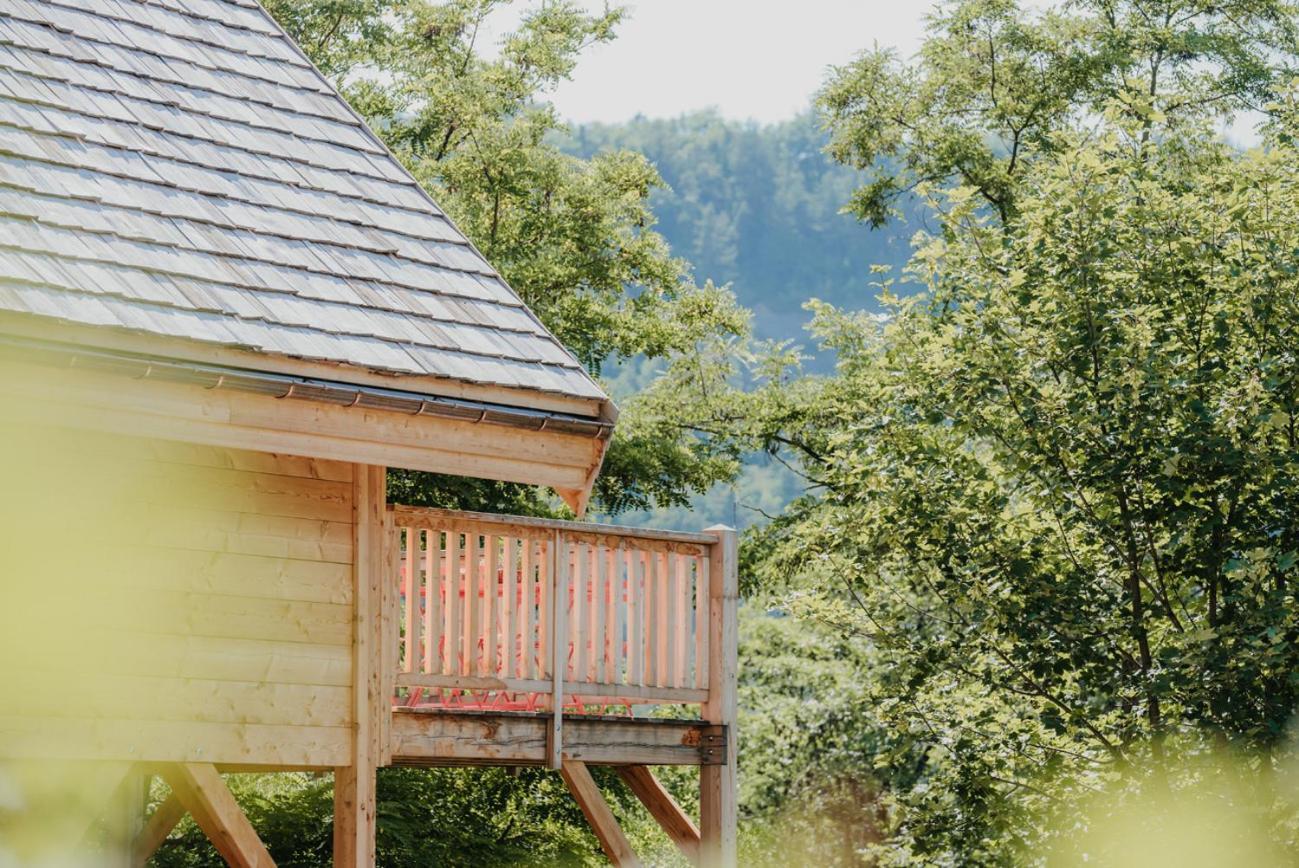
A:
(758, 207)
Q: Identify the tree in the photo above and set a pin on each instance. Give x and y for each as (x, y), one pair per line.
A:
(994, 82)
(574, 237)
(1054, 491)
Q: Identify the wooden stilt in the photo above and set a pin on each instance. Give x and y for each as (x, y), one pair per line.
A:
(663, 808)
(612, 840)
(354, 785)
(204, 794)
(717, 796)
(156, 829)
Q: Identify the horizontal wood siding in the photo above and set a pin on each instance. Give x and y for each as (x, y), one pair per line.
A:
(173, 602)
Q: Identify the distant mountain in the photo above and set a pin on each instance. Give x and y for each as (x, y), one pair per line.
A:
(758, 206)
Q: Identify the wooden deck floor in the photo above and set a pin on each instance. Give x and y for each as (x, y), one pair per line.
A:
(438, 737)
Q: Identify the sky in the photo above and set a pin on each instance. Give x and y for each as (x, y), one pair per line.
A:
(750, 59)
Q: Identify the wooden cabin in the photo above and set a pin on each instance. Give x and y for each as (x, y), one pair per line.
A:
(225, 311)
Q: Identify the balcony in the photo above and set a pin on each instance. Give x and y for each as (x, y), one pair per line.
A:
(525, 641)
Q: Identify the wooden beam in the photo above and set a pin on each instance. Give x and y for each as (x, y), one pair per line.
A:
(438, 738)
(717, 795)
(612, 840)
(156, 829)
(240, 420)
(354, 784)
(122, 341)
(203, 793)
(663, 808)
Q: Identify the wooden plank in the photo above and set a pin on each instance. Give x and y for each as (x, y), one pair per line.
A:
(664, 809)
(453, 608)
(354, 796)
(702, 621)
(577, 630)
(539, 528)
(425, 737)
(559, 647)
(509, 610)
(388, 633)
(201, 790)
(411, 590)
(473, 633)
(188, 657)
(612, 840)
(156, 829)
(717, 784)
(684, 695)
(682, 623)
(671, 624)
(545, 571)
(204, 572)
(609, 635)
(134, 697)
(599, 605)
(135, 612)
(635, 618)
(527, 563)
(83, 399)
(434, 583)
(171, 741)
(491, 608)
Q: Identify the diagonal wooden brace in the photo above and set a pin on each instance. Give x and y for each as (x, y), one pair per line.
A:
(203, 793)
(663, 808)
(612, 840)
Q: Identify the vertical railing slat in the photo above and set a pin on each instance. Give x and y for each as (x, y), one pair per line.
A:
(559, 561)
(597, 664)
(491, 625)
(668, 634)
(701, 622)
(609, 635)
(410, 588)
(509, 611)
(635, 618)
(452, 607)
(684, 619)
(576, 606)
(432, 599)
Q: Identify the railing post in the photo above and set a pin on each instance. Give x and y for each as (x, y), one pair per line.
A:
(717, 784)
(558, 646)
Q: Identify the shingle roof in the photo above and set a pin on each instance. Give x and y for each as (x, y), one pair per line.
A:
(177, 167)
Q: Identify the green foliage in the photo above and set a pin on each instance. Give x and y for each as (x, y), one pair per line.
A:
(994, 81)
(1054, 490)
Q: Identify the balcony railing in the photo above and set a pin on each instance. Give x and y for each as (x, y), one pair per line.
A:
(525, 614)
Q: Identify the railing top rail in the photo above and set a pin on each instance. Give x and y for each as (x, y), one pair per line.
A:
(420, 515)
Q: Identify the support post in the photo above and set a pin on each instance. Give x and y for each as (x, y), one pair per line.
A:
(204, 794)
(717, 784)
(612, 840)
(558, 647)
(663, 808)
(354, 785)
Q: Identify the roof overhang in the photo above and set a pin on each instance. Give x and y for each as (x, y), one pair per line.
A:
(452, 431)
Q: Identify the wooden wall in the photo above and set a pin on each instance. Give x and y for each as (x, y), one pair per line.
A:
(162, 601)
